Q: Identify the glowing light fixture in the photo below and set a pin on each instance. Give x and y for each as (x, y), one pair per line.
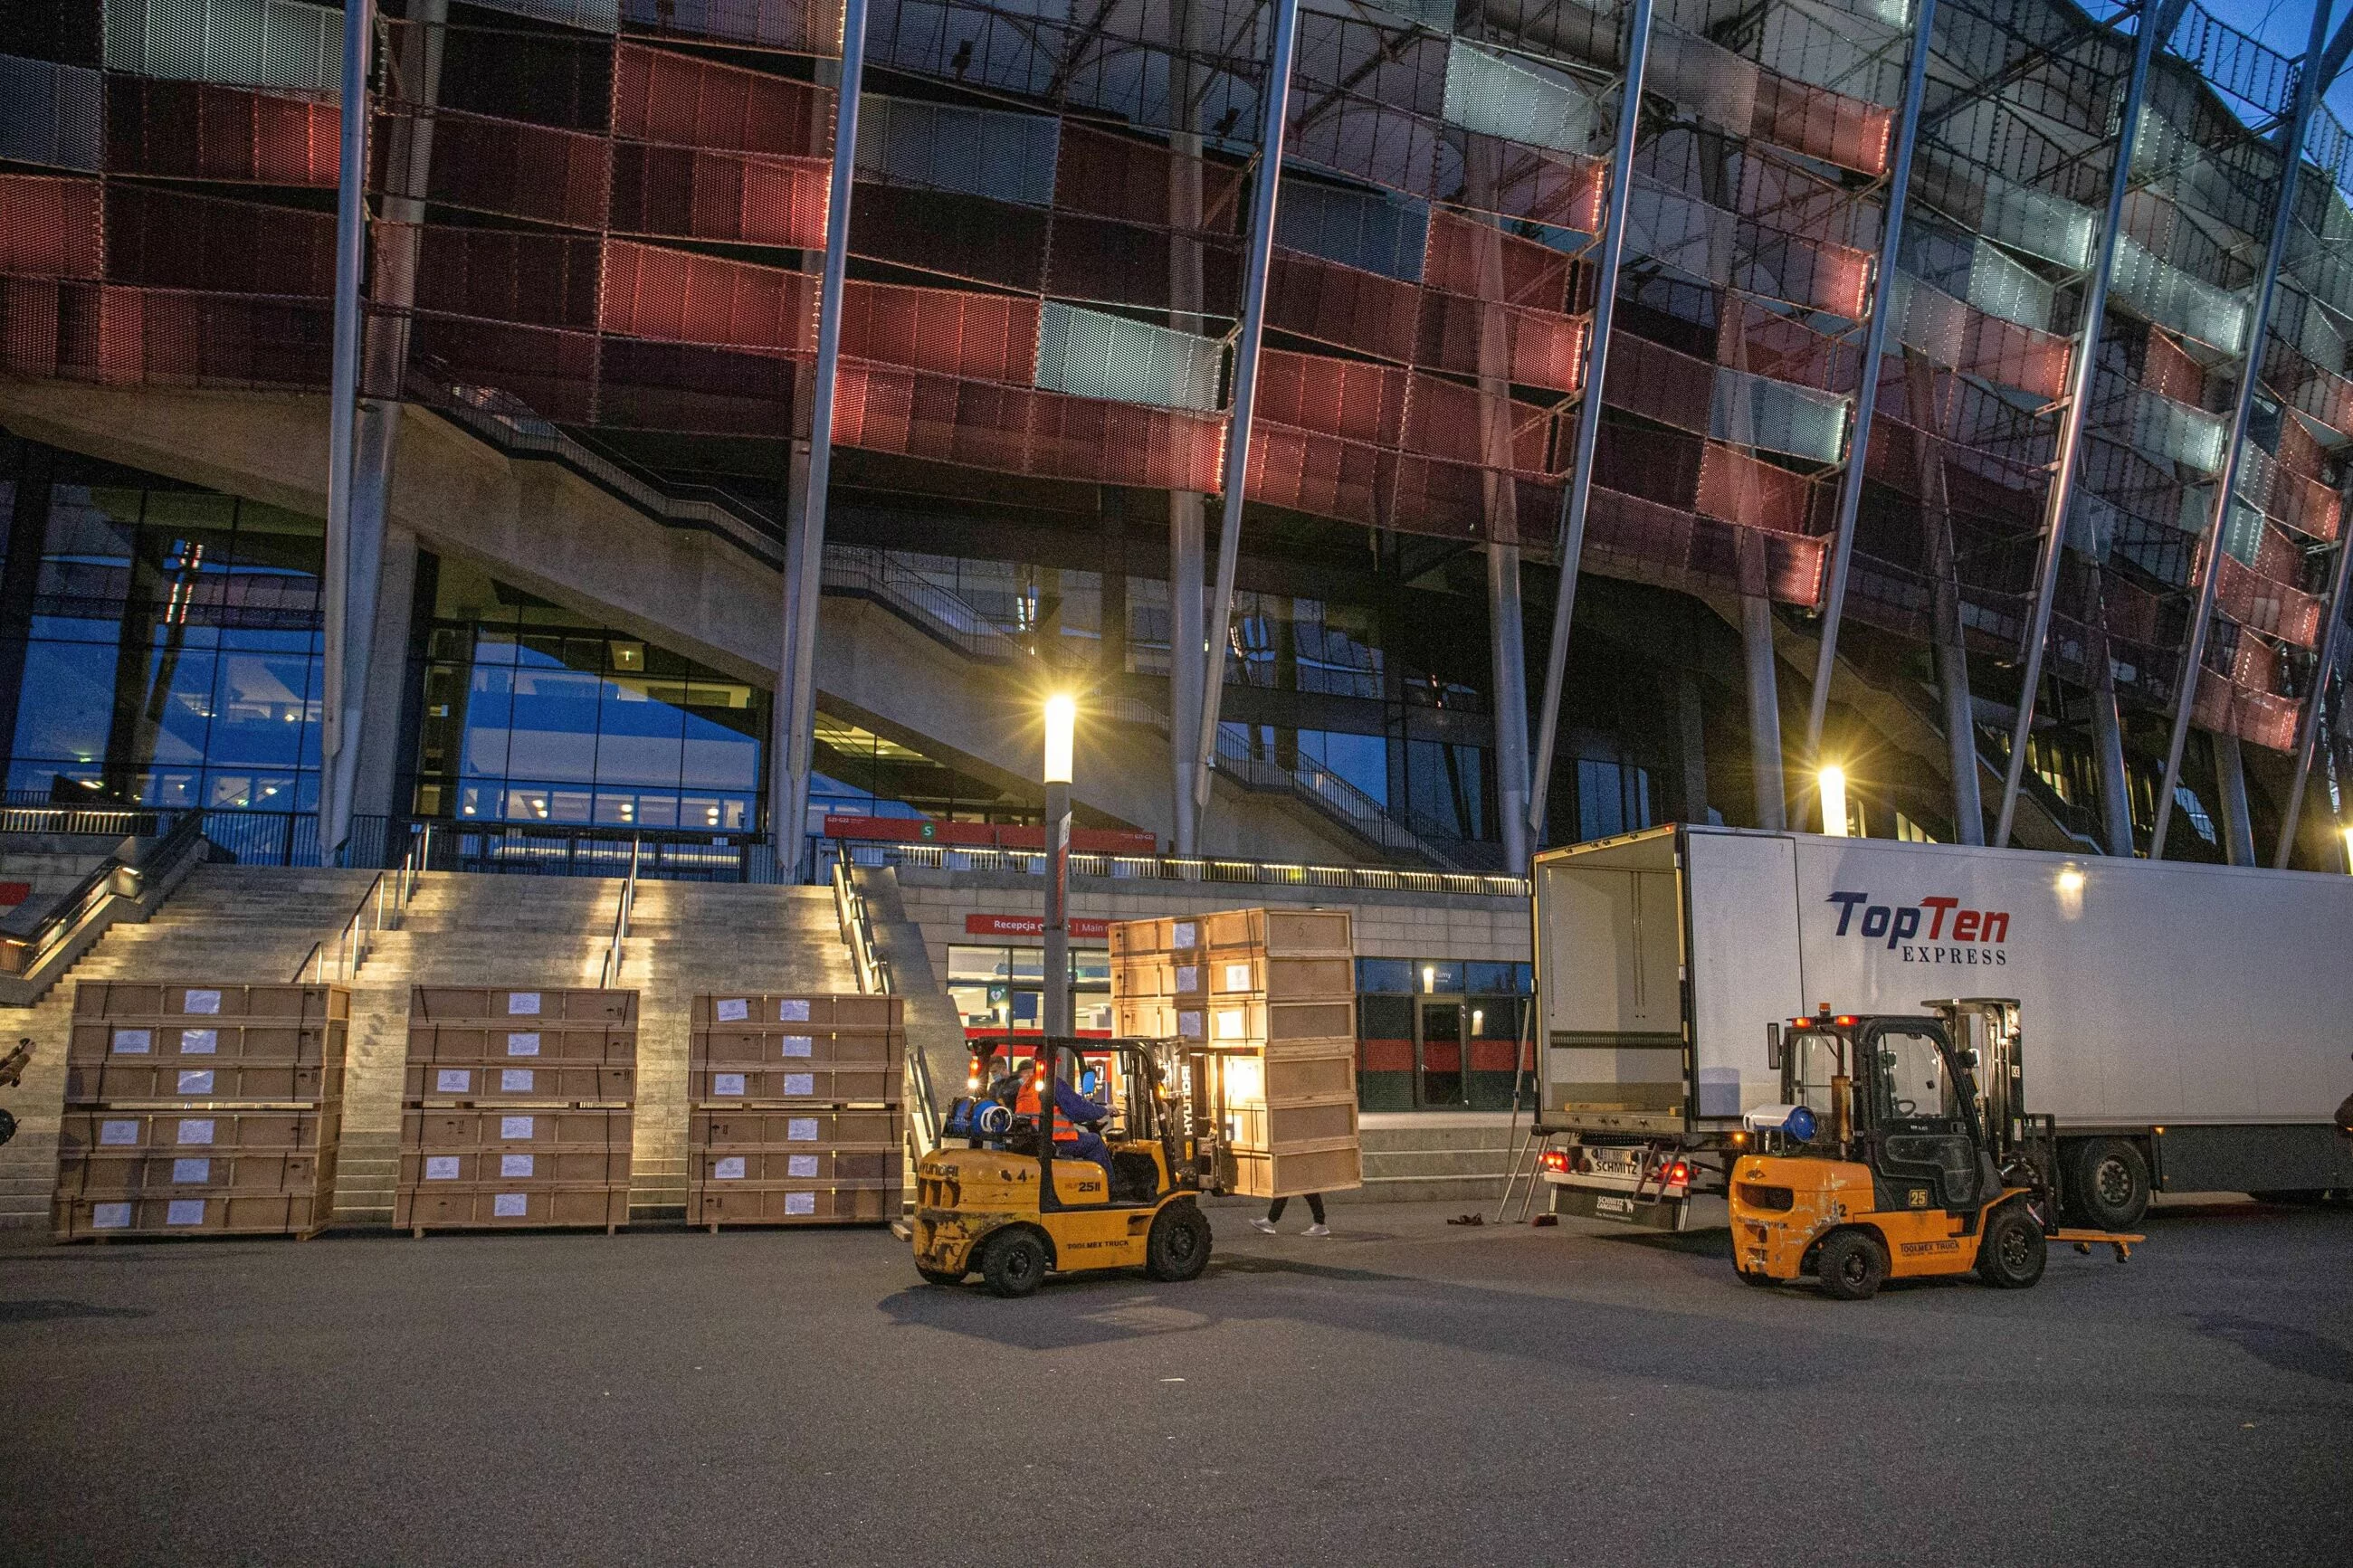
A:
(1061, 719)
(1833, 783)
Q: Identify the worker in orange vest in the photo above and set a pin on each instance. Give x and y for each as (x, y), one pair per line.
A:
(1075, 1137)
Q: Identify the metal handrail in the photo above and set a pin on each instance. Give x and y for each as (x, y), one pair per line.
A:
(611, 974)
(875, 979)
(381, 908)
(1189, 868)
(120, 875)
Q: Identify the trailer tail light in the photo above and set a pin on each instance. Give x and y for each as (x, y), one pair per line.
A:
(1556, 1159)
(1677, 1175)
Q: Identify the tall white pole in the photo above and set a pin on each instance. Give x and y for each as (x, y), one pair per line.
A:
(335, 729)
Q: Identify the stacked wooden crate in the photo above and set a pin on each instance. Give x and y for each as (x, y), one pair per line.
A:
(519, 1112)
(795, 1109)
(203, 1110)
(1269, 998)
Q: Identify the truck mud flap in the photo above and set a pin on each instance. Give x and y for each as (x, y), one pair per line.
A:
(1648, 1213)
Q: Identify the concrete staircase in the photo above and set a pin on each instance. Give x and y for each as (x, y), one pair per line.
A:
(235, 925)
(1428, 1158)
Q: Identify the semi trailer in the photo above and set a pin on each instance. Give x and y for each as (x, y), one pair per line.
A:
(2189, 1026)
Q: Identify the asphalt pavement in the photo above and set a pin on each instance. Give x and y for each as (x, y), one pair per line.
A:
(1405, 1392)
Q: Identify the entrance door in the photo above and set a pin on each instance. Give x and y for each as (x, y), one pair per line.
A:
(1439, 1034)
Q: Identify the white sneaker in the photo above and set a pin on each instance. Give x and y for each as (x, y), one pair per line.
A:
(1314, 1230)
(1262, 1223)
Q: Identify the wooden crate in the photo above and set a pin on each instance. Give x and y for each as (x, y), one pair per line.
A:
(1136, 939)
(734, 1046)
(192, 1174)
(1246, 1023)
(821, 1009)
(1297, 1124)
(191, 1044)
(85, 1219)
(175, 1000)
(1142, 979)
(477, 1005)
(541, 1045)
(816, 1085)
(1293, 1080)
(783, 1166)
(549, 1086)
(509, 1206)
(1283, 932)
(1246, 973)
(1289, 1173)
(1142, 1020)
(715, 1204)
(196, 1131)
(803, 1127)
(138, 1082)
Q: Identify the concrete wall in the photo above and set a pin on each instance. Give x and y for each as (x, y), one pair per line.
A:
(53, 863)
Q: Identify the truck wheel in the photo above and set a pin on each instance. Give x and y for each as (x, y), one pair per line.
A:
(1178, 1247)
(1853, 1265)
(1013, 1264)
(2013, 1249)
(939, 1275)
(2110, 1182)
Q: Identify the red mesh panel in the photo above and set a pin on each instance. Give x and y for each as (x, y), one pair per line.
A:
(28, 326)
(547, 279)
(1018, 430)
(650, 292)
(1628, 537)
(719, 195)
(951, 235)
(2306, 505)
(662, 96)
(1480, 260)
(694, 386)
(1311, 472)
(2299, 454)
(1533, 348)
(167, 240)
(1109, 175)
(1830, 126)
(1118, 263)
(1447, 420)
(133, 337)
(1343, 306)
(48, 228)
(194, 130)
(1540, 184)
(528, 171)
(1649, 379)
(2254, 716)
(1346, 399)
(2166, 369)
(554, 372)
(951, 331)
(1658, 466)
(1804, 271)
(2323, 395)
(1741, 488)
(2267, 605)
(1751, 337)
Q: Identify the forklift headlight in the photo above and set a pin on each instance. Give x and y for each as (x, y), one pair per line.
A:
(1800, 1125)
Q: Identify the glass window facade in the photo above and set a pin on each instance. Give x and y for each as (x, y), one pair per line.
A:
(1439, 1034)
(530, 713)
(166, 644)
(1000, 990)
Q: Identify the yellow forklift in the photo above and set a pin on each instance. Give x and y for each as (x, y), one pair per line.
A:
(992, 1198)
(1903, 1151)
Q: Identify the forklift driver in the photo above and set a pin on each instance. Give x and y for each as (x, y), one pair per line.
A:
(1076, 1137)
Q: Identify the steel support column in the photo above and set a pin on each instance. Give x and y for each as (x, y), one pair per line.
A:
(1510, 660)
(1275, 98)
(2208, 557)
(1187, 530)
(2156, 20)
(2108, 738)
(2230, 797)
(1764, 711)
(2332, 624)
(1866, 395)
(1568, 544)
(804, 540)
(343, 398)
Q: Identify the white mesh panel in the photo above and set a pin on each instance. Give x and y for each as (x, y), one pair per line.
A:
(1515, 100)
(1755, 411)
(2163, 294)
(241, 43)
(944, 147)
(1090, 355)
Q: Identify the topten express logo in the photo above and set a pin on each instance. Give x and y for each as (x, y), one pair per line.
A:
(1953, 934)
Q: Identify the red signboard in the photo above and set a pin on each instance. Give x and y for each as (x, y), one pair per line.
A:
(1033, 925)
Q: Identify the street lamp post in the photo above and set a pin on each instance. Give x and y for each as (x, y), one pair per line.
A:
(1061, 717)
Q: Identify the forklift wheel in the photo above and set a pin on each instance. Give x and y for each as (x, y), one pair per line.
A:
(1013, 1263)
(1853, 1265)
(2011, 1254)
(940, 1276)
(1178, 1247)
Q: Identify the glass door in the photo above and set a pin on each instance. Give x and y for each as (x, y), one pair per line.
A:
(1438, 1049)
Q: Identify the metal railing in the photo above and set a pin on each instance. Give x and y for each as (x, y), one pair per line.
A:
(611, 974)
(1192, 868)
(875, 979)
(335, 960)
(137, 876)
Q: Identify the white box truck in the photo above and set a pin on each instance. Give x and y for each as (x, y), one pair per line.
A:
(2190, 1028)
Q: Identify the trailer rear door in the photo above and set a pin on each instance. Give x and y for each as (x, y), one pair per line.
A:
(1609, 981)
(1745, 968)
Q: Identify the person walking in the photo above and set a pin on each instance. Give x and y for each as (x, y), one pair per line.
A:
(1314, 1210)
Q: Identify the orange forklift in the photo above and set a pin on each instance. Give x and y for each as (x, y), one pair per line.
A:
(1903, 1151)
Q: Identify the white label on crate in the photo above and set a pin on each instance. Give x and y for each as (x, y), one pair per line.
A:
(514, 1164)
(800, 1083)
(800, 1130)
(132, 1042)
(1188, 977)
(1238, 977)
(511, 1206)
(109, 1216)
(522, 1004)
(796, 1045)
(727, 1083)
(453, 1080)
(184, 1211)
(1190, 1025)
(196, 1130)
(733, 1010)
(800, 1202)
(440, 1167)
(1230, 1024)
(206, 1002)
(800, 1164)
(522, 1045)
(514, 1081)
(792, 1010)
(118, 1132)
(730, 1169)
(1183, 933)
(515, 1126)
(191, 1171)
(199, 1042)
(196, 1080)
